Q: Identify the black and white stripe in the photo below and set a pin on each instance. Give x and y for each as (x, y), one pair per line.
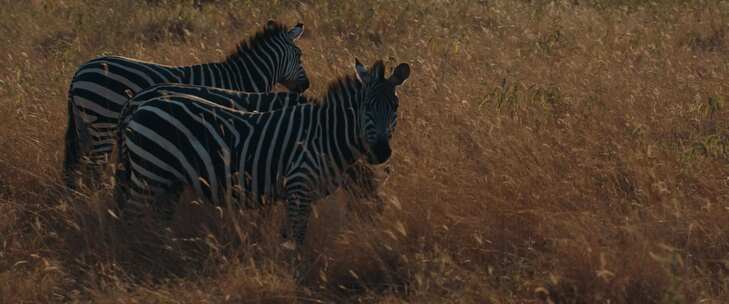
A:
(362, 181)
(298, 154)
(101, 88)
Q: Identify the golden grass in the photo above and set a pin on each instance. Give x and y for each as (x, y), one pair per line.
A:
(566, 151)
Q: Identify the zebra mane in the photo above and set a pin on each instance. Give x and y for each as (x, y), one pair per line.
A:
(272, 29)
(343, 83)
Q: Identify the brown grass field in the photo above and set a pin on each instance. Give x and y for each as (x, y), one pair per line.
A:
(547, 152)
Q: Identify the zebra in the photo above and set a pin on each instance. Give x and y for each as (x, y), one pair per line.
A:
(101, 87)
(362, 182)
(297, 154)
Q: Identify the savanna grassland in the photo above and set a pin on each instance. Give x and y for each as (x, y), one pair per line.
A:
(563, 151)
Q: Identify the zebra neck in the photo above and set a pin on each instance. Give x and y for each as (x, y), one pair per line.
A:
(338, 131)
(252, 71)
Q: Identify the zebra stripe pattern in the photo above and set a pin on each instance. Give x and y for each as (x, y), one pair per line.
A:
(362, 183)
(101, 88)
(298, 154)
(241, 101)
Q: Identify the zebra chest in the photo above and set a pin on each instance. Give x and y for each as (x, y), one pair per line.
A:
(315, 173)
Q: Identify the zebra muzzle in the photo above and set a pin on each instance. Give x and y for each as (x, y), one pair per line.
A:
(379, 152)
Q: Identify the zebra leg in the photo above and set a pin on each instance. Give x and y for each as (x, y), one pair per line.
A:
(297, 214)
(135, 199)
(143, 194)
(363, 186)
(298, 211)
(148, 214)
(102, 141)
(87, 149)
(93, 172)
(165, 202)
(76, 140)
(71, 159)
(121, 187)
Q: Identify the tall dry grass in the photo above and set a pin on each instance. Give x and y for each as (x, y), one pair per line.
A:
(563, 151)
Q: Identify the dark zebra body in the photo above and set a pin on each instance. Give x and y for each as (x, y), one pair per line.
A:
(101, 88)
(241, 101)
(362, 182)
(298, 154)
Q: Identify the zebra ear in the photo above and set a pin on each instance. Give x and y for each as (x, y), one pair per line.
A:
(296, 32)
(361, 71)
(400, 74)
(378, 70)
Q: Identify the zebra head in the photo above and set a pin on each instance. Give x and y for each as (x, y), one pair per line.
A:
(288, 56)
(378, 109)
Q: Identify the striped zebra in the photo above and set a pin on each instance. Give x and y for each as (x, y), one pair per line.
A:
(362, 182)
(298, 154)
(101, 87)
